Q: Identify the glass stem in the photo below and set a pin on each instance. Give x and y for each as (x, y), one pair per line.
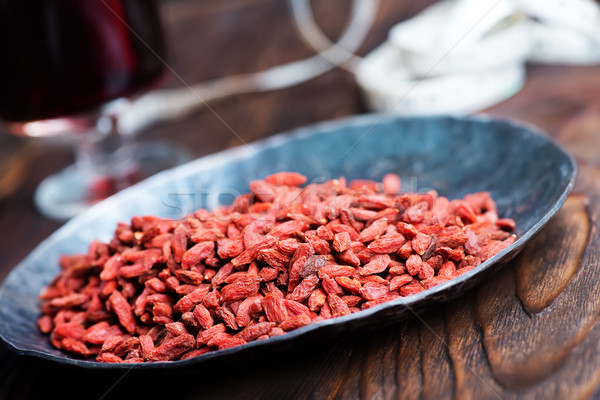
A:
(93, 153)
(102, 157)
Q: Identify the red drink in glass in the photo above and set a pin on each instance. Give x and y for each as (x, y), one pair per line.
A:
(69, 67)
(62, 57)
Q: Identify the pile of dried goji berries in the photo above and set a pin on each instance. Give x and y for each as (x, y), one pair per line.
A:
(280, 257)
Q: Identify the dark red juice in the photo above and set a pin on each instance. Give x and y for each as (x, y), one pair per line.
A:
(61, 57)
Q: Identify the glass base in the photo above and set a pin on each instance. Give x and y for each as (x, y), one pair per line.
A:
(75, 189)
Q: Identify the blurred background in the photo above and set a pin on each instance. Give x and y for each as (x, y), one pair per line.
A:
(211, 39)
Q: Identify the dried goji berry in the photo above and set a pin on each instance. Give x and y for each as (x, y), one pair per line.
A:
(277, 259)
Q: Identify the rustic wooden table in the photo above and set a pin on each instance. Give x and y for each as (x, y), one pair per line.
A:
(530, 332)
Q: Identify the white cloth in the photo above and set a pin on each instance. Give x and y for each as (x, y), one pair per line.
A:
(460, 56)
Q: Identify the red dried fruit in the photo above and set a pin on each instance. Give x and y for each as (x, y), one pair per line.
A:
(414, 264)
(146, 346)
(494, 247)
(268, 274)
(111, 268)
(335, 270)
(100, 332)
(288, 229)
(337, 305)
(371, 278)
(249, 306)
(221, 275)
(374, 201)
(378, 264)
(227, 316)
(456, 254)
(176, 328)
(396, 268)
(405, 250)
(420, 243)
(202, 315)
(313, 265)
(415, 213)
(173, 348)
(435, 262)
(187, 302)
(68, 301)
(123, 310)
(207, 335)
(363, 184)
(265, 265)
(288, 246)
(251, 332)
(295, 322)
(304, 289)
(156, 285)
(189, 276)
(179, 242)
(251, 273)
(349, 257)
(297, 264)
(75, 346)
(319, 245)
(464, 211)
(352, 300)
(341, 241)
(276, 331)
(286, 179)
(45, 324)
(348, 219)
(374, 291)
(229, 248)
(381, 300)
(190, 321)
(325, 233)
(271, 287)
(71, 330)
(274, 258)
(373, 231)
(447, 269)
(195, 353)
(506, 224)
(243, 287)
(351, 285)
(339, 227)
(427, 272)
(411, 288)
(111, 343)
(251, 252)
(406, 229)
(387, 244)
(398, 281)
(330, 286)
(197, 253)
(296, 308)
(185, 289)
(126, 346)
(317, 299)
(274, 308)
(391, 184)
(108, 358)
(325, 312)
(262, 191)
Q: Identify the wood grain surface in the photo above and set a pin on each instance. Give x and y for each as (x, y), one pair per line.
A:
(529, 332)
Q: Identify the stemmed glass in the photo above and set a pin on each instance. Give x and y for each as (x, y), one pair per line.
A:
(69, 69)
